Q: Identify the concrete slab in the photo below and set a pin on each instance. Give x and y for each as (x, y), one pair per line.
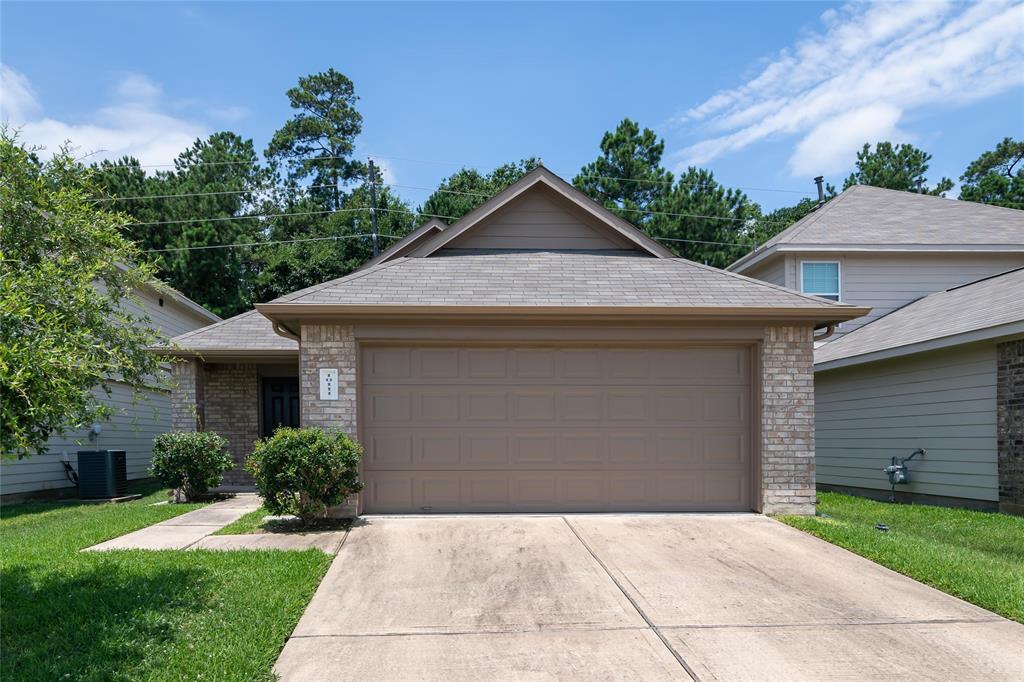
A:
(700, 570)
(327, 542)
(992, 651)
(209, 516)
(159, 536)
(464, 574)
(550, 655)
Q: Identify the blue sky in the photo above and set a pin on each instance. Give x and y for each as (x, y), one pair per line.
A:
(767, 95)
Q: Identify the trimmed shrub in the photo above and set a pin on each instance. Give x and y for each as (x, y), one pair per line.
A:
(305, 471)
(191, 462)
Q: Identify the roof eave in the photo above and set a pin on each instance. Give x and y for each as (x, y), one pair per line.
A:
(987, 334)
(756, 257)
(820, 315)
(226, 353)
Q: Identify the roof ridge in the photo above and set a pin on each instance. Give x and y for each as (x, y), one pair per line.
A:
(816, 214)
(338, 280)
(762, 283)
(211, 326)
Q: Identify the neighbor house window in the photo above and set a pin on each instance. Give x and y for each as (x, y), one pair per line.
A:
(820, 278)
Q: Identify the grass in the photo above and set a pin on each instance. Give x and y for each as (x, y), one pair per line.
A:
(976, 556)
(253, 523)
(139, 615)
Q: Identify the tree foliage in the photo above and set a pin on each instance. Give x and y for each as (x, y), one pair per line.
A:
(714, 220)
(342, 241)
(67, 270)
(317, 142)
(997, 176)
(627, 177)
(461, 192)
(902, 167)
(203, 202)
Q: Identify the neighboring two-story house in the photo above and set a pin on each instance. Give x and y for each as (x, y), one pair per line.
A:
(937, 364)
(138, 417)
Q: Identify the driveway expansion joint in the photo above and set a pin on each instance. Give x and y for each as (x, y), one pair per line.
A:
(650, 624)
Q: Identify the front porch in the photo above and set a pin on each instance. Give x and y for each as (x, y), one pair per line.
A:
(242, 401)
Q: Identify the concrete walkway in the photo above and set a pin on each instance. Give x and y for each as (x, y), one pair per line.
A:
(186, 530)
(630, 597)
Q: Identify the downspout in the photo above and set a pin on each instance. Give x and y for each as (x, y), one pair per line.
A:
(282, 330)
(829, 331)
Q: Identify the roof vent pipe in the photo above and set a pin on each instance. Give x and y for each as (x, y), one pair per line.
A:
(819, 183)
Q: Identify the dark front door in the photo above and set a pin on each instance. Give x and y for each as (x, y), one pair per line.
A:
(280, 403)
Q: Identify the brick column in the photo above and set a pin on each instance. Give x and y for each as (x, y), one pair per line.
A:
(329, 347)
(187, 395)
(1010, 425)
(787, 421)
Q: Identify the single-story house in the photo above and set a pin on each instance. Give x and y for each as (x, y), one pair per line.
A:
(137, 416)
(538, 355)
(946, 374)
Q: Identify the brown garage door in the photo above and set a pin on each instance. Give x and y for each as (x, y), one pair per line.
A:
(549, 429)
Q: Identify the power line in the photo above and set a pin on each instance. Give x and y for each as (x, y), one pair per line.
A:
(285, 189)
(267, 243)
(282, 215)
(691, 184)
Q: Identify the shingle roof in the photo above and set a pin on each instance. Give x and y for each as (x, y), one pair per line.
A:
(551, 278)
(986, 303)
(877, 218)
(246, 332)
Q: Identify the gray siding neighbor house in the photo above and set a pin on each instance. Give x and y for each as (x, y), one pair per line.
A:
(138, 416)
(937, 363)
(540, 354)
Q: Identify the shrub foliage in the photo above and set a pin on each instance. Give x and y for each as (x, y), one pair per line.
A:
(305, 471)
(190, 462)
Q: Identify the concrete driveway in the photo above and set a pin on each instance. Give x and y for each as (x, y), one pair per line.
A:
(630, 597)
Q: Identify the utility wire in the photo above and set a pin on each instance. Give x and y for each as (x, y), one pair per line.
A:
(268, 243)
(282, 215)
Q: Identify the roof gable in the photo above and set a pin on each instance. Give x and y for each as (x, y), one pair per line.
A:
(408, 242)
(598, 217)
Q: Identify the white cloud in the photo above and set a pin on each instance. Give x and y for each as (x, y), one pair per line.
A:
(134, 123)
(853, 82)
(834, 142)
(17, 98)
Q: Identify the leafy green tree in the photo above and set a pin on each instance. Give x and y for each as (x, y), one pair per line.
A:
(461, 192)
(996, 177)
(67, 268)
(712, 223)
(317, 142)
(627, 177)
(342, 241)
(202, 202)
(902, 167)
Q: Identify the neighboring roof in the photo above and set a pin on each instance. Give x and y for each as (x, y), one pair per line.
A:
(559, 283)
(542, 176)
(872, 218)
(408, 242)
(992, 307)
(247, 334)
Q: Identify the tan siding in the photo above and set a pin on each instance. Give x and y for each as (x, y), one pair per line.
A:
(943, 401)
(773, 272)
(889, 281)
(541, 220)
(132, 427)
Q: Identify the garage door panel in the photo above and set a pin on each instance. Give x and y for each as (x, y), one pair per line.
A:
(556, 429)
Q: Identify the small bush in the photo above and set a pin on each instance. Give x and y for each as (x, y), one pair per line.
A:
(190, 462)
(305, 471)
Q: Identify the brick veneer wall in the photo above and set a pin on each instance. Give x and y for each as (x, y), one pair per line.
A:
(787, 421)
(232, 409)
(329, 347)
(1010, 424)
(187, 395)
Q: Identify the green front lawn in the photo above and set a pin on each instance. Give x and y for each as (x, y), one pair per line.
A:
(139, 615)
(976, 556)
